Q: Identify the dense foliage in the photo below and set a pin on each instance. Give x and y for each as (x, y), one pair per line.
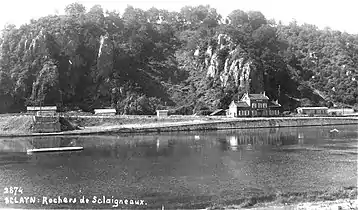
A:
(143, 60)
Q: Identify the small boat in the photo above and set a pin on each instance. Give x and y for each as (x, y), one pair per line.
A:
(54, 149)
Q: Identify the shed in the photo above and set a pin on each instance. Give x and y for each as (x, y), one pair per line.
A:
(105, 111)
(162, 113)
(312, 110)
(342, 111)
(42, 110)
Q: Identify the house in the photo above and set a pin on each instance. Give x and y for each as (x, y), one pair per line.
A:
(312, 110)
(42, 110)
(254, 105)
(238, 108)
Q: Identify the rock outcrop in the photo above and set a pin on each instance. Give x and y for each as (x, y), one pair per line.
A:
(105, 55)
(237, 66)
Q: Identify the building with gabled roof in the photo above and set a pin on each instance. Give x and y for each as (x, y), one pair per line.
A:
(254, 105)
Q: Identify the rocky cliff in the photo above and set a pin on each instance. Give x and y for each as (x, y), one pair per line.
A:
(231, 64)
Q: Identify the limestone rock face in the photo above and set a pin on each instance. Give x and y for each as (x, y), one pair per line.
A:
(235, 66)
(213, 66)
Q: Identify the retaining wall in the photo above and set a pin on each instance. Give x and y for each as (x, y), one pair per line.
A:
(246, 123)
(46, 124)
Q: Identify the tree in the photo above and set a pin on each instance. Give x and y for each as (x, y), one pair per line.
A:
(75, 9)
(238, 18)
(256, 19)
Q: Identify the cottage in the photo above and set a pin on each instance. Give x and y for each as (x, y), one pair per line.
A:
(255, 105)
(312, 110)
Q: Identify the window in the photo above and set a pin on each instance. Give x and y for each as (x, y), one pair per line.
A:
(253, 105)
(259, 105)
(240, 113)
(264, 105)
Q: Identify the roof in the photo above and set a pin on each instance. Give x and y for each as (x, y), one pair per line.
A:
(321, 107)
(216, 112)
(162, 110)
(241, 104)
(42, 108)
(340, 110)
(105, 111)
(258, 97)
(273, 104)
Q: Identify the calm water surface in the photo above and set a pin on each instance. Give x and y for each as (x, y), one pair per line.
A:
(179, 170)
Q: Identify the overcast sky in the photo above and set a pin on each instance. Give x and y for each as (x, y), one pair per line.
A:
(339, 15)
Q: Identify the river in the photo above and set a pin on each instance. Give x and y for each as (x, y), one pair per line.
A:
(176, 170)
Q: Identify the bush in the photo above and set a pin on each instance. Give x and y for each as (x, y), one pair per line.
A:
(183, 110)
(286, 113)
(204, 112)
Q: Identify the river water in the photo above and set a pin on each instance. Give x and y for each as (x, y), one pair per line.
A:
(176, 170)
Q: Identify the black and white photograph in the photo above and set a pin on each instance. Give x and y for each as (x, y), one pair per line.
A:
(178, 104)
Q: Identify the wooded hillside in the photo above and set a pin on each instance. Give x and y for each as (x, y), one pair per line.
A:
(190, 60)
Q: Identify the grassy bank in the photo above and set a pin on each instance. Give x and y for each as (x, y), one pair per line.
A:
(89, 121)
(16, 124)
(345, 197)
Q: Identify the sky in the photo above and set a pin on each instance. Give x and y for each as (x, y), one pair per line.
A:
(338, 15)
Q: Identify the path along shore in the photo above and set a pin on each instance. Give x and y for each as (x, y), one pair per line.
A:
(116, 124)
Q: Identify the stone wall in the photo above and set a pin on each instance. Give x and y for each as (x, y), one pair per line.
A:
(46, 124)
(249, 123)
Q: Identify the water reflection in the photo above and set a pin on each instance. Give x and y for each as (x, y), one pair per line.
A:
(251, 139)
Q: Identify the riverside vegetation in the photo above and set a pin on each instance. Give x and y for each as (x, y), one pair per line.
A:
(189, 61)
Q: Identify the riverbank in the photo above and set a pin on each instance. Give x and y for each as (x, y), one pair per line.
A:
(342, 198)
(15, 126)
(341, 204)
